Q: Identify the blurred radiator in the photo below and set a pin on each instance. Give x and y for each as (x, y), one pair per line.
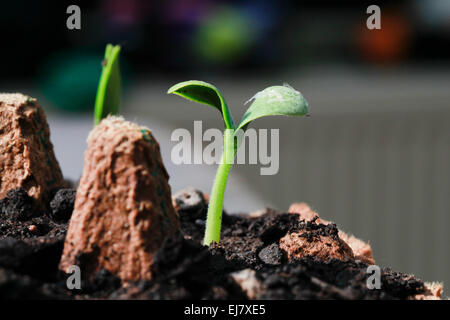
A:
(385, 178)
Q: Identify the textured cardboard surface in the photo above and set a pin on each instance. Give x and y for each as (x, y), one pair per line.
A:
(361, 249)
(27, 159)
(123, 208)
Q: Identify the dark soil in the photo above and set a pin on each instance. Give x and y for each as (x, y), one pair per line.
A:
(31, 244)
(62, 205)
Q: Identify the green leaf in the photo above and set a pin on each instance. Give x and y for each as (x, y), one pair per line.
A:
(205, 93)
(109, 91)
(273, 101)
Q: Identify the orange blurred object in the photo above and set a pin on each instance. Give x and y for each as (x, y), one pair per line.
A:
(389, 44)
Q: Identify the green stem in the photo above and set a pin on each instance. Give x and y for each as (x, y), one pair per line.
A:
(214, 216)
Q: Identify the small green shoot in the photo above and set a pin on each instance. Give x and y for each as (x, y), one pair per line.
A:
(275, 100)
(109, 92)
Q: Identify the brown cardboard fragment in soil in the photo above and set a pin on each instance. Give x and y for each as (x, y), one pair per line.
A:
(123, 208)
(26, 154)
(322, 244)
(433, 291)
(361, 249)
(305, 212)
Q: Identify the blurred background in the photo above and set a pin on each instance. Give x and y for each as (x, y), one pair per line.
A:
(374, 155)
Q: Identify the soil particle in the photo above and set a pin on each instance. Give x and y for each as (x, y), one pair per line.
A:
(183, 269)
(361, 250)
(433, 291)
(103, 284)
(178, 255)
(272, 254)
(30, 244)
(249, 242)
(192, 207)
(335, 279)
(33, 229)
(316, 240)
(62, 205)
(37, 257)
(401, 285)
(304, 212)
(18, 286)
(247, 281)
(190, 200)
(19, 220)
(238, 252)
(17, 205)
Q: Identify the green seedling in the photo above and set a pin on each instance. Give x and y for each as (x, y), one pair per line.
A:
(275, 100)
(109, 92)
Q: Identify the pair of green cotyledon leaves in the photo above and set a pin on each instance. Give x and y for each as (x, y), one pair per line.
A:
(275, 100)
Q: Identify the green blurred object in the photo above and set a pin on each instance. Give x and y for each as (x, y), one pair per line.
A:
(69, 80)
(224, 36)
(109, 91)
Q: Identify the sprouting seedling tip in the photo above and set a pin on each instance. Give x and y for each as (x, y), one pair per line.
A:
(109, 93)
